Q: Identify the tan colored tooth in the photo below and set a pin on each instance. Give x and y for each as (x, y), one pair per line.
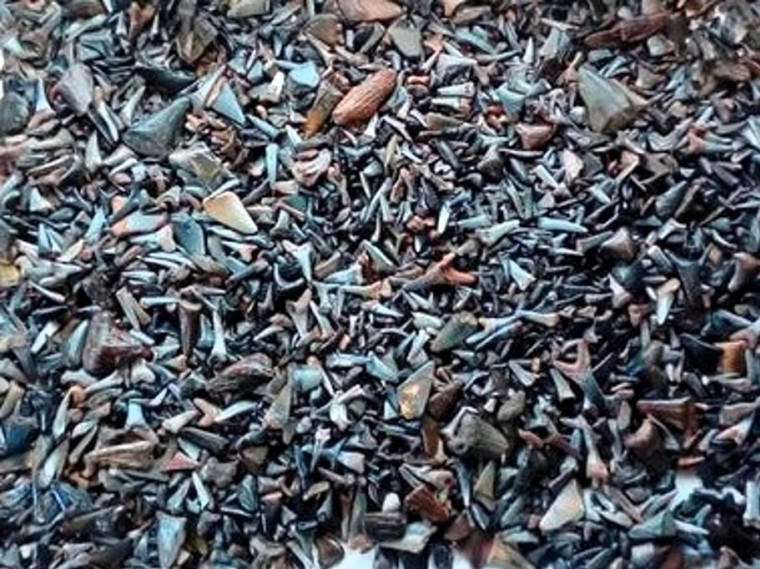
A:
(363, 101)
(534, 136)
(566, 508)
(227, 209)
(369, 10)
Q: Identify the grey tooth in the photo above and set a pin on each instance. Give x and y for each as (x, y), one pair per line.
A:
(157, 134)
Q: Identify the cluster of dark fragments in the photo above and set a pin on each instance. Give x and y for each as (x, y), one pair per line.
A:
(437, 279)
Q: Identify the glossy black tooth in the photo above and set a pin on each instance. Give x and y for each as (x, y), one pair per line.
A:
(108, 347)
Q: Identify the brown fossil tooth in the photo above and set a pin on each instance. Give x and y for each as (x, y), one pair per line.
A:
(250, 372)
(459, 529)
(638, 312)
(414, 392)
(227, 209)
(327, 97)
(9, 275)
(369, 10)
(431, 436)
(329, 551)
(566, 508)
(680, 413)
(442, 403)
(673, 559)
(630, 31)
(732, 357)
(503, 555)
(423, 501)
(189, 325)
(108, 347)
(363, 101)
(534, 136)
(732, 72)
(179, 462)
(136, 454)
(645, 439)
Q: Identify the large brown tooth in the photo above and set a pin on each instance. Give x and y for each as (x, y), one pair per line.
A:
(363, 101)
(369, 10)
